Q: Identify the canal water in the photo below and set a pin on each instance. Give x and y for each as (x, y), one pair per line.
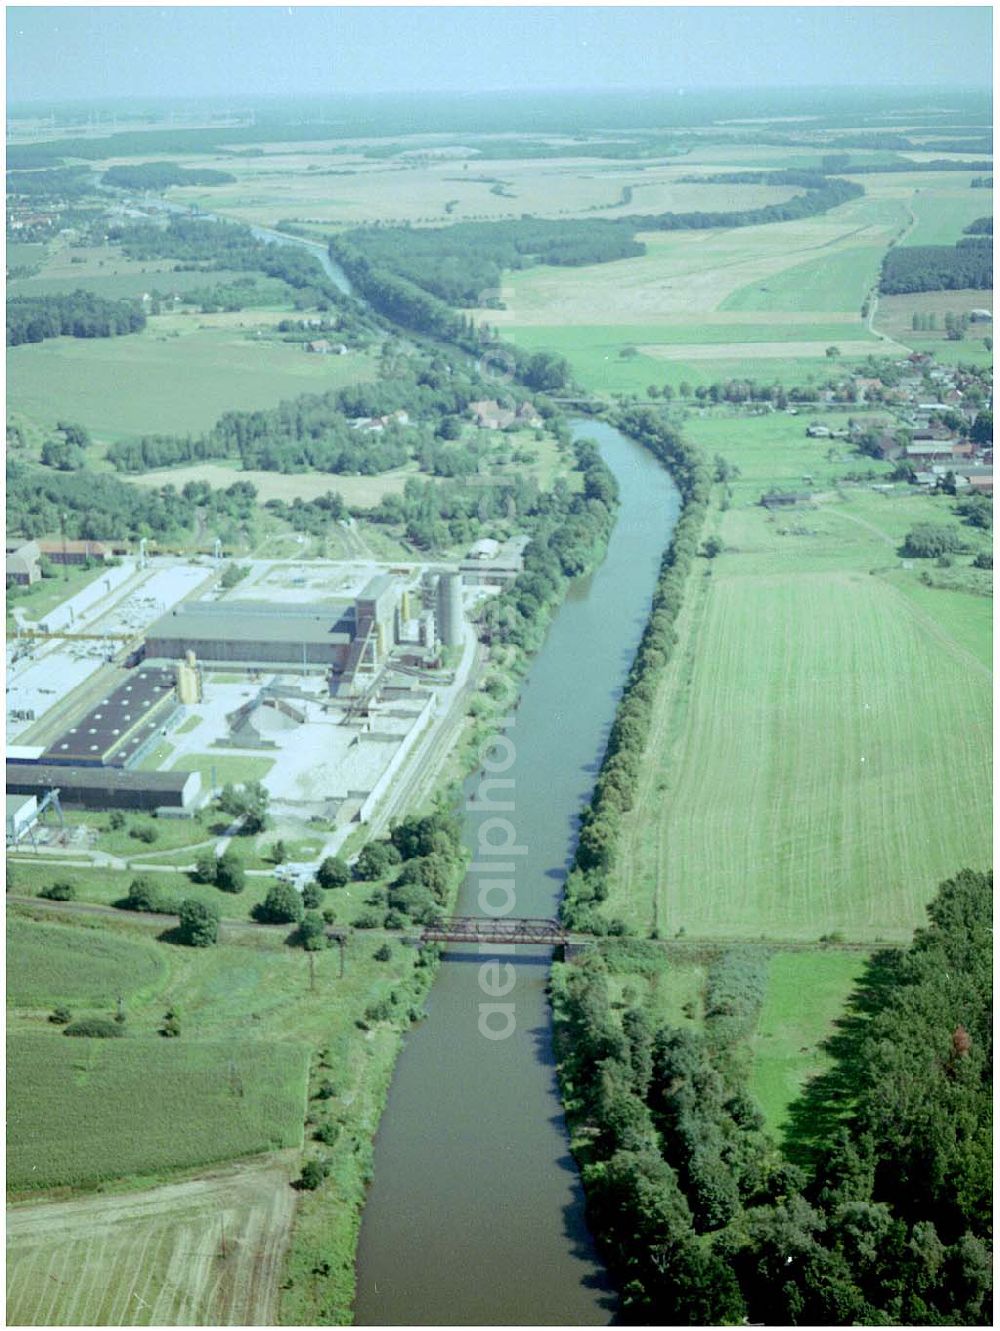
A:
(476, 1212)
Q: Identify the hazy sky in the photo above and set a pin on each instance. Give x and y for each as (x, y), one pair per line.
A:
(99, 52)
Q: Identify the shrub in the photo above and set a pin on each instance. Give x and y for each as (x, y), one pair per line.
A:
(282, 905)
(205, 867)
(333, 872)
(60, 890)
(369, 919)
(145, 832)
(327, 1133)
(375, 860)
(312, 896)
(60, 1016)
(199, 923)
(313, 1174)
(229, 873)
(383, 953)
(116, 820)
(312, 932)
(97, 1028)
(144, 895)
(171, 1028)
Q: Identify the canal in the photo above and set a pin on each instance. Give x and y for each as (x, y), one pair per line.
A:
(476, 1212)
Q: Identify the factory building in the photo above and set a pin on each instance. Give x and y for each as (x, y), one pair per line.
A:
(115, 729)
(106, 787)
(255, 633)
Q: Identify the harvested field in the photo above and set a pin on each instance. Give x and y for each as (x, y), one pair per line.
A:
(205, 1252)
(815, 784)
(685, 273)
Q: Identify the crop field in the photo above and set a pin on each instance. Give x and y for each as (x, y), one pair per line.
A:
(186, 1104)
(206, 1252)
(806, 993)
(817, 786)
(804, 778)
(686, 273)
(435, 188)
(165, 381)
(48, 964)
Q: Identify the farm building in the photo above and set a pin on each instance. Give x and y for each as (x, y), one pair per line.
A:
(785, 499)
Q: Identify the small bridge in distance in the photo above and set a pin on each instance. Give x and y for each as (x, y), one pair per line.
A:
(510, 930)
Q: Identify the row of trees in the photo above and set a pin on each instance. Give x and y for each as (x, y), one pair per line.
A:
(885, 1220)
(79, 314)
(586, 885)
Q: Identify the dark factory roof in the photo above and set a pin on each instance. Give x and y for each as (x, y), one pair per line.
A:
(121, 722)
(30, 777)
(255, 621)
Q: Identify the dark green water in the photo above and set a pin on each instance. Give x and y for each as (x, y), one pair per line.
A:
(476, 1214)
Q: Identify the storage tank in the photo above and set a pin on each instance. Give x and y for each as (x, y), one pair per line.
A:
(449, 609)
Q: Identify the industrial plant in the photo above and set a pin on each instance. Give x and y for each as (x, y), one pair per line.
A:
(332, 675)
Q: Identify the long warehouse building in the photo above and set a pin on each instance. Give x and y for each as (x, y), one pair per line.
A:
(252, 632)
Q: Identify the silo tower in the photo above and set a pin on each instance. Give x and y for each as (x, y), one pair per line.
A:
(449, 609)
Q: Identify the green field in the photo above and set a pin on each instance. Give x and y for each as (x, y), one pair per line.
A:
(944, 211)
(52, 964)
(806, 993)
(803, 775)
(155, 382)
(594, 353)
(838, 281)
(104, 887)
(266, 293)
(81, 1111)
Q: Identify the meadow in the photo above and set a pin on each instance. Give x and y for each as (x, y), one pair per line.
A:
(186, 1104)
(176, 376)
(806, 994)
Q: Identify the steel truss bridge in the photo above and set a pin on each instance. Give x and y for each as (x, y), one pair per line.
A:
(510, 930)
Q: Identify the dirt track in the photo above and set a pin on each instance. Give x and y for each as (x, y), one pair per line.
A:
(208, 1251)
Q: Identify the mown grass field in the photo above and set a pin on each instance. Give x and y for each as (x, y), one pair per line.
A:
(803, 777)
(806, 993)
(82, 1111)
(52, 964)
(165, 382)
(944, 210)
(206, 1252)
